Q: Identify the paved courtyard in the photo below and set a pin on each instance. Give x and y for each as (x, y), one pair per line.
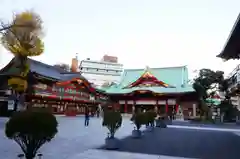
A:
(74, 141)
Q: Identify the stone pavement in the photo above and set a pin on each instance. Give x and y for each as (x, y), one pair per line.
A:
(205, 128)
(95, 154)
(74, 141)
(208, 125)
(73, 138)
(188, 143)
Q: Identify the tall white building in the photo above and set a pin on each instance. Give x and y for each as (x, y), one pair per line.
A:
(102, 72)
(234, 79)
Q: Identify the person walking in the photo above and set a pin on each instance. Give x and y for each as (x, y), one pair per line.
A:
(86, 123)
(98, 112)
(147, 124)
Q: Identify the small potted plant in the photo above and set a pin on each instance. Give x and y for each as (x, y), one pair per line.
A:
(150, 119)
(168, 120)
(160, 122)
(112, 120)
(31, 129)
(138, 119)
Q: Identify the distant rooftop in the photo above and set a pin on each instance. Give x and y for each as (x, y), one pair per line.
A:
(100, 62)
(155, 68)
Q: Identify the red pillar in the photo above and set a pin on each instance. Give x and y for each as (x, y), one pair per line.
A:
(176, 107)
(118, 106)
(125, 107)
(166, 107)
(134, 105)
(114, 106)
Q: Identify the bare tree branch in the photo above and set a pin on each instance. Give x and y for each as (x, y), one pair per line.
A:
(5, 27)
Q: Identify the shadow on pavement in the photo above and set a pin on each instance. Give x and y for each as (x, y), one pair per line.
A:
(184, 143)
(210, 125)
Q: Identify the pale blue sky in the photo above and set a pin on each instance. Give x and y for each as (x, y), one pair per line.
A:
(156, 33)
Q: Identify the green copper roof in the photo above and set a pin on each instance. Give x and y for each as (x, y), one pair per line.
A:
(174, 76)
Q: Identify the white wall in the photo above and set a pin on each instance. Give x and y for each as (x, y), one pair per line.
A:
(99, 73)
(101, 78)
(102, 65)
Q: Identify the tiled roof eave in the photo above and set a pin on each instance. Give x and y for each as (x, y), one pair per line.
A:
(128, 91)
(166, 93)
(7, 66)
(46, 77)
(230, 50)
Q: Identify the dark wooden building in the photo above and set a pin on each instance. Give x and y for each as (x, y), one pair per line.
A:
(60, 91)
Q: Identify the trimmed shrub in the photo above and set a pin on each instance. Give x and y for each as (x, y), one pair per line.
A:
(150, 117)
(112, 120)
(139, 119)
(31, 129)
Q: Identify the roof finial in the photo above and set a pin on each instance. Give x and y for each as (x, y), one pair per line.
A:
(147, 68)
(77, 56)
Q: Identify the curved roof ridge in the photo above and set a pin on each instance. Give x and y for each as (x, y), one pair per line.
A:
(122, 78)
(46, 65)
(35, 62)
(150, 68)
(7, 65)
(230, 36)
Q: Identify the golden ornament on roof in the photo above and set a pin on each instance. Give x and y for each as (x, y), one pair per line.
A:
(79, 81)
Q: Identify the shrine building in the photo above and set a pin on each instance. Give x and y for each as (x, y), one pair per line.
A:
(163, 89)
(60, 91)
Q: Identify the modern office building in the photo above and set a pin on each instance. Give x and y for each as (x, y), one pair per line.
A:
(103, 72)
(234, 86)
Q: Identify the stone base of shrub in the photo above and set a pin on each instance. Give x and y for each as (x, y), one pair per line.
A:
(136, 134)
(161, 124)
(149, 129)
(112, 143)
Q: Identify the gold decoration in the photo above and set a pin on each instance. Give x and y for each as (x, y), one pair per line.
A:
(79, 81)
(165, 85)
(26, 69)
(142, 92)
(17, 84)
(23, 39)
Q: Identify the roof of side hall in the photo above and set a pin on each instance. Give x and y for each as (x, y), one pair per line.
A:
(41, 69)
